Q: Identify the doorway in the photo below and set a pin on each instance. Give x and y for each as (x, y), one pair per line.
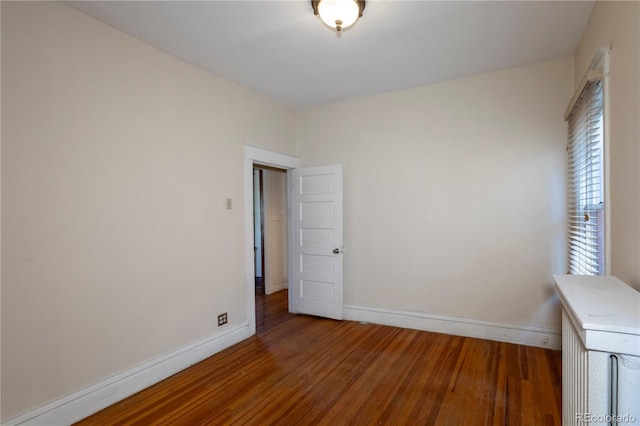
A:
(270, 229)
(254, 156)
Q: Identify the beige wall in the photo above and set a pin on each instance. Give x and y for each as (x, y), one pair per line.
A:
(116, 163)
(0, 233)
(618, 24)
(454, 193)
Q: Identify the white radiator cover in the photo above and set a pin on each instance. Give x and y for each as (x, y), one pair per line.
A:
(600, 351)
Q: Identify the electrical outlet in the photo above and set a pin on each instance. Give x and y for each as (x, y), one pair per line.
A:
(222, 319)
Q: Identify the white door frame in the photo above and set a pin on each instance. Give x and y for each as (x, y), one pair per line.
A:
(255, 155)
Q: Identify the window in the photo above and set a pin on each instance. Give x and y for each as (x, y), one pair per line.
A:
(586, 197)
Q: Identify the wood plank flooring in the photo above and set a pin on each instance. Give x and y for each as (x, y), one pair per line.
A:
(301, 370)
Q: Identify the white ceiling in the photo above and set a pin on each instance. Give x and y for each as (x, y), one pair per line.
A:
(280, 49)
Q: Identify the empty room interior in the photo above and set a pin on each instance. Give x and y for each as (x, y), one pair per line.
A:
(412, 174)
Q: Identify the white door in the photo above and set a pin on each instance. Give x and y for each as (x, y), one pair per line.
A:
(317, 241)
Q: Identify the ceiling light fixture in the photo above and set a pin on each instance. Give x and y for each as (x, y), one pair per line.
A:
(338, 14)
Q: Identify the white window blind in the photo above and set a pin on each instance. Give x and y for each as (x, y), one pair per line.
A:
(585, 149)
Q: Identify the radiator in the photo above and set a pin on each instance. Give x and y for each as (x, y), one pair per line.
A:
(575, 373)
(600, 351)
(586, 385)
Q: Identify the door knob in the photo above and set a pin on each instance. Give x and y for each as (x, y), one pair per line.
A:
(336, 251)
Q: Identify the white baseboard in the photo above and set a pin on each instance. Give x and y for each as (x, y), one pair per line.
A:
(85, 402)
(276, 287)
(522, 335)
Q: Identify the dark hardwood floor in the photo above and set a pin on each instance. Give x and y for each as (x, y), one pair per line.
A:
(301, 370)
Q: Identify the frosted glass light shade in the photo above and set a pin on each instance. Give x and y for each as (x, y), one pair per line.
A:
(338, 14)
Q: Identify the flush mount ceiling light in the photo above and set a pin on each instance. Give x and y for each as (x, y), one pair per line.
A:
(338, 14)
